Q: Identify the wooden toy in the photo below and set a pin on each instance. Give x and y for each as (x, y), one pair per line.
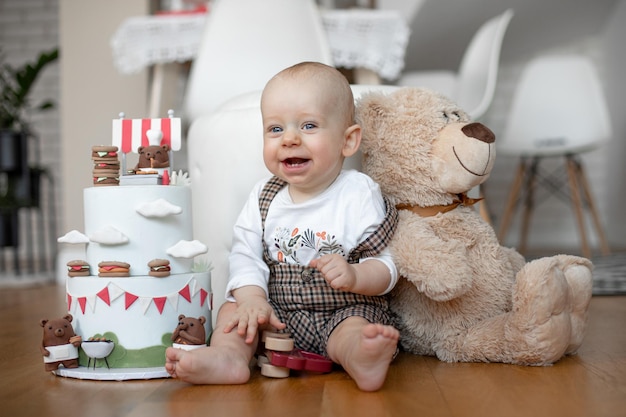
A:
(279, 344)
(272, 371)
(281, 357)
(300, 360)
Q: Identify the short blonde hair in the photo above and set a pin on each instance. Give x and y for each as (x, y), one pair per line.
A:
(331, 79)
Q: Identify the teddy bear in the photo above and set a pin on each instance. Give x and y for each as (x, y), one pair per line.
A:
(461, 296)
(190, 331)
(59, 345)
(153, 156)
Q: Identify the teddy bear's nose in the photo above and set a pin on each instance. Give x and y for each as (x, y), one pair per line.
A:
(59, 332)
(479, 131)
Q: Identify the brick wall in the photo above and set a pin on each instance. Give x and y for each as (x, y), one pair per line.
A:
(28, 27)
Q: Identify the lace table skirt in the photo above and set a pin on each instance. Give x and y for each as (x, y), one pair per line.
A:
(372, 39)
(142, 41)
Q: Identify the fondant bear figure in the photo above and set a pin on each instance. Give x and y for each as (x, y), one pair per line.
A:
(190, 331)
(462, 296)
(153, 156)
(59, 344)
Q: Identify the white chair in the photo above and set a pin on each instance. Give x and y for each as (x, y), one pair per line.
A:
(245, 43)
(473, 86)
(225, 163)
(558, 110)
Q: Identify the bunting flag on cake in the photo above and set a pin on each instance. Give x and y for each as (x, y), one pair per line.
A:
(104, 295)
(82, 301)
(111, 292)
(129, 299)
(129, 134)
(185, 293)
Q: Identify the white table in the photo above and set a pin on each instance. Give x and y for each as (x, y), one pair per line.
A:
(372, 42)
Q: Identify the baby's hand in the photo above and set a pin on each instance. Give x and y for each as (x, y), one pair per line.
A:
(252, 312)
(339, 274)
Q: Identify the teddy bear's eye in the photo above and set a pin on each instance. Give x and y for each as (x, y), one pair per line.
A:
(445, 115)
(456, 115)
(190, 324)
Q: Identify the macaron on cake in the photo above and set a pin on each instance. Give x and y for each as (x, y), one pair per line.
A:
(106, 170)
(159, 268)
(113, 269)
(78, 268)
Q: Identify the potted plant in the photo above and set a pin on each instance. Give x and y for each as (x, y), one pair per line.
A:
(18, 181)
(15, 88)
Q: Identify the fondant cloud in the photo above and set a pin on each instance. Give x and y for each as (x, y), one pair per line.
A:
(73, 236)
(158, 208)
(187, 249)
(108, 235)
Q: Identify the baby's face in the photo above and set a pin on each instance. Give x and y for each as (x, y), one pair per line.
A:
(303, 135)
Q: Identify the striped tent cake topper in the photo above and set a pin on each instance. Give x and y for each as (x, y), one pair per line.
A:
(130, 134)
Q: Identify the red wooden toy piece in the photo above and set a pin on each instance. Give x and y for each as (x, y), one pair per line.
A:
(300, 360)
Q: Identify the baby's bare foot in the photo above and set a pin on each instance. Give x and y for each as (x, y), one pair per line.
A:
(372, 354)
(209, 365)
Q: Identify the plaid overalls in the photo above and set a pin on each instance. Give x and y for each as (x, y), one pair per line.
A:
(303, 300)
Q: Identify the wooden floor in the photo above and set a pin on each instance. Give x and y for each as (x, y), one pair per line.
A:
(592, 383)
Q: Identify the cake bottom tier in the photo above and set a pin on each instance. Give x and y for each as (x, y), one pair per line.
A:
(138, 315)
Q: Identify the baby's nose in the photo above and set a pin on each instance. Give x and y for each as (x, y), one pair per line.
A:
(291, 138)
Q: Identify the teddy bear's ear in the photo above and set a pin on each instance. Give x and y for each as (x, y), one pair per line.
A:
(371, 112)
(202, 319)
(68, 317)
(371, 106)
(43, 322)
(180, 317)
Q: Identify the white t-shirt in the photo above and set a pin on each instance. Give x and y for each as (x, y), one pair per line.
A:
(334, 221)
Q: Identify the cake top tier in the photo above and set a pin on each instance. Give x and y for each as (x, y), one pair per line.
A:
(153, 140)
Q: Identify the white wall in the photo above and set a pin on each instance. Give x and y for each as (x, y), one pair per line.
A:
(615, 153)
(92, 94)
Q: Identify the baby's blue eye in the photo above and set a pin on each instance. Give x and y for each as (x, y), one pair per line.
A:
(276, 129)
(309, 126)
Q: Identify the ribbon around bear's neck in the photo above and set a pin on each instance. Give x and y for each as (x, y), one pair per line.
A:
(461, 200)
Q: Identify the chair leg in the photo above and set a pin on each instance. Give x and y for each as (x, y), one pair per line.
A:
(512, 200)
(582, 179)
(529, 202)
(577, 205)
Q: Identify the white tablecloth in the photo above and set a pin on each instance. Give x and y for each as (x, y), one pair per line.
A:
(143, 41)
(372, 39)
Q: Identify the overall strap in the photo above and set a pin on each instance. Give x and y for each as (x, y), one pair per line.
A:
(380, 238)
(269, 191)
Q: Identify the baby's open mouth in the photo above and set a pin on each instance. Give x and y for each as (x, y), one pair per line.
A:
(295, 161)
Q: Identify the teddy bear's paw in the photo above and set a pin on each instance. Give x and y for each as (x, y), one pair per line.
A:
(541, 344)
(539, 330)
(579, 277)
(444, 291)
(541, 291)
(443, 281)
